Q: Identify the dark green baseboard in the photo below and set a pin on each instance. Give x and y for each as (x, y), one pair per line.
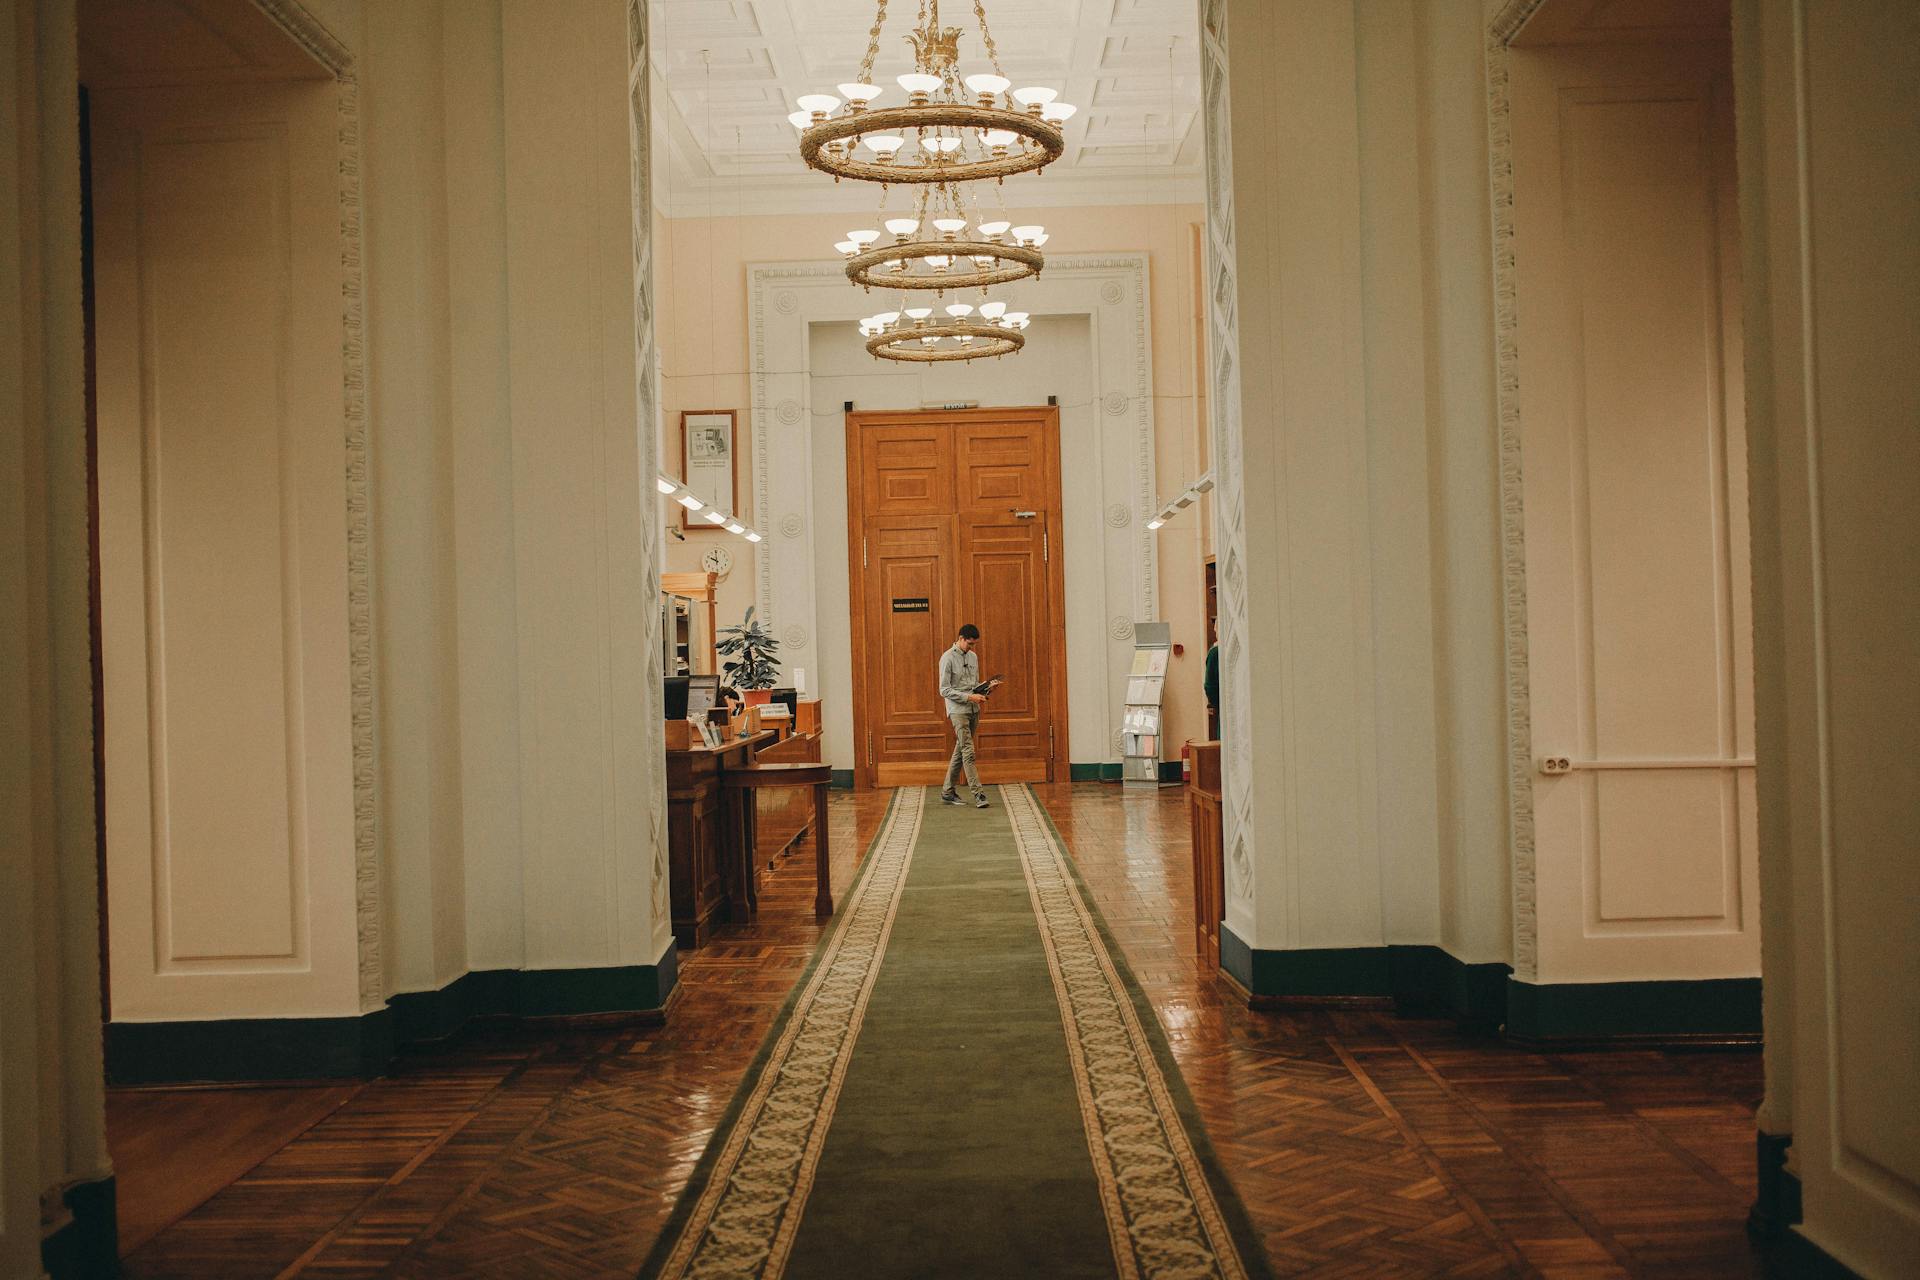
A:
(87, 1245)
(1776, 1202)
(1424, 979)
(421, 1016)
(363, 1047)
(1725, 1009)
(1417, 979)
(840, 779)
(1794, 1257)
(1110, 771)
(249, 1049)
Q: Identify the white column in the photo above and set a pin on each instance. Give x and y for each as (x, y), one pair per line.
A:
(51, 1117)
(592, 831)
(1831, 214)
(1292, 528)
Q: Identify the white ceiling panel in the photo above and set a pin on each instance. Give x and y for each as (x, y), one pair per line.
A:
(728, 71)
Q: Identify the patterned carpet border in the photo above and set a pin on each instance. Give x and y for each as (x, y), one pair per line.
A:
(745, 1199)
(1171, 1211)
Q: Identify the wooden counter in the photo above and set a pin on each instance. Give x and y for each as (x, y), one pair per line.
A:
(1209, 869)
(697, 833)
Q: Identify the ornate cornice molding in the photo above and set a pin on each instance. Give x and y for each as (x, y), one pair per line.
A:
(310, 34)
(1513, 541)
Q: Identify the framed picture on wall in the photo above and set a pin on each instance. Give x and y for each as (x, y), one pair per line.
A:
(707, 453)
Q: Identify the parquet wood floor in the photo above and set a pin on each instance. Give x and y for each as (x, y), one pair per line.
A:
(1364, 1145)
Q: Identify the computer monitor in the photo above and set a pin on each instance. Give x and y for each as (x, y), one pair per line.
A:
(675, 691)
(790, 698)
(703, 694)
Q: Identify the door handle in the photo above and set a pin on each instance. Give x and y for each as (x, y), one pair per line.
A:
(1023, 515)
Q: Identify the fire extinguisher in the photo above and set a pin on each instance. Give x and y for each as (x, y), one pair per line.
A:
(1186, 761)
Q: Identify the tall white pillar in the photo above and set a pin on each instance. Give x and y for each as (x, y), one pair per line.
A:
(1304, 909)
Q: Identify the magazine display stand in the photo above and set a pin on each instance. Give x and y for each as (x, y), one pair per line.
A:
(1140, 717)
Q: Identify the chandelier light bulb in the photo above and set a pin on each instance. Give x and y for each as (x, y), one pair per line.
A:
(864, 238)
(820, 105)
(859, 95)
(884, 145)
(848, 248)
(1040, 239)
(939, 261)
(999, 139)
(950, 227)
(903, 227)
(799, 120)
(959, 309)
(886, 318)
(994, 230)
(1023, 235)
(1031, 98)
(986, 86)
(1056, 112)
(919, 314)
(993, 310)
(918, 85)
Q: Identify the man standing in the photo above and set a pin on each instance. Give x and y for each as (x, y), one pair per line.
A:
(960, 692)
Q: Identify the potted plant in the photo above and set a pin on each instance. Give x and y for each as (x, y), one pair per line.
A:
(753, 656)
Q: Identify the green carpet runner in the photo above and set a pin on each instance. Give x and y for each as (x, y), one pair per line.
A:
(966, 1083)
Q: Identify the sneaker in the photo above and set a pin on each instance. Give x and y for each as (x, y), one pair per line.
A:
(949, 797)
(979, 801)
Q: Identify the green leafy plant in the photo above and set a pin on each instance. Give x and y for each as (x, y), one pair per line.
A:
(753, 653)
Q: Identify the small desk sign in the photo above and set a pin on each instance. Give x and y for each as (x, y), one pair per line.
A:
(910, 604)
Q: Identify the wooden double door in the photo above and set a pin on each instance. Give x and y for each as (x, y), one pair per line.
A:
(954, 517)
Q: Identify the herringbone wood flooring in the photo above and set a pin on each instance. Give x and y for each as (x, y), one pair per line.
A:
(1363, 1145)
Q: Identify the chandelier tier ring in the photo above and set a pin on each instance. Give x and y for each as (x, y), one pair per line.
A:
(824, 145)
(875, 267)
(909, 344)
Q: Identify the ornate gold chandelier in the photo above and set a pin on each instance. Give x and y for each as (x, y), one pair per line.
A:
(960, 130)
(915, 336)
(935, 249)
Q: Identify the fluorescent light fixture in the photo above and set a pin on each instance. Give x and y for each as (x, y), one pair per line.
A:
(752, 536)
(734, 526)
(1155, 523)
(690, 502)
(715, 517)
(665, 485)
(1204, 484)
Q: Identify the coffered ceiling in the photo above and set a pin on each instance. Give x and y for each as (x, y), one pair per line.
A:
(727, 72)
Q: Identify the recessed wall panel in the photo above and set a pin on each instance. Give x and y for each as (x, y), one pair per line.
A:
(214, 270)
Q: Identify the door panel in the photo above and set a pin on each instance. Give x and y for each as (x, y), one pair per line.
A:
(910, 590)
(953, 518)
(907, 469)
(1003, 590)
(1638, 594)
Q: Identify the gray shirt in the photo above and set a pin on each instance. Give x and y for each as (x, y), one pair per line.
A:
(959, 673)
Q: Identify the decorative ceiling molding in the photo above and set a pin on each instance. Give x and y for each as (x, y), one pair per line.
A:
(730, 70)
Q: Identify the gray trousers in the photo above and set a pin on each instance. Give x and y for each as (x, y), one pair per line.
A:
(964, 723)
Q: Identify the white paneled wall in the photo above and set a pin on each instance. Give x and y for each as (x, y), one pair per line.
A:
(1639, 619)
(223, 551)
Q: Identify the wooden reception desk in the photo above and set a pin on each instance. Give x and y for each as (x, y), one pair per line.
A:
(700, 840)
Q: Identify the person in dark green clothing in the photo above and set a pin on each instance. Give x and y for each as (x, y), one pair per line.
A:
(1211, 681)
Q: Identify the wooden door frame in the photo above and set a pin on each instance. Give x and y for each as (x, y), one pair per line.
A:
(1048, 417)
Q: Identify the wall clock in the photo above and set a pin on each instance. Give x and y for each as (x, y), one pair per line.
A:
(718, 560)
